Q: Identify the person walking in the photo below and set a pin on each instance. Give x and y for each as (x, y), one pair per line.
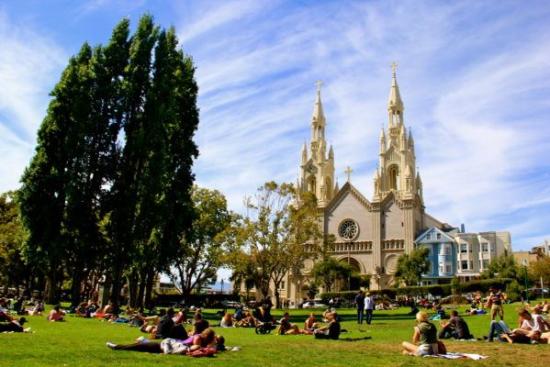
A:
(360, 303)
(369, 307)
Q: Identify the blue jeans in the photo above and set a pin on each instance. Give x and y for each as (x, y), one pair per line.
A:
(496, 328)
(368, 316)
(360, 315)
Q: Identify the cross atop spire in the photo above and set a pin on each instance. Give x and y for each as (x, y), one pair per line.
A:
(319, 84)
(348, 171)
(393, 68)
(395, 103)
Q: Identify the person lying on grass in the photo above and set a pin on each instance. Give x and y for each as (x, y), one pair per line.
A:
(424, 340)
(530, 329)
(56, 314)
(331, 330)
(14, 326)
(207, 339)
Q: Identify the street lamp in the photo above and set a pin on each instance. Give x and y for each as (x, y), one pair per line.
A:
(221, 286)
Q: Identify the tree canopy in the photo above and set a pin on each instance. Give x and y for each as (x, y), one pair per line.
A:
(108, 189)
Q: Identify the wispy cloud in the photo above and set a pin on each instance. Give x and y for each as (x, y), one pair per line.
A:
(29, 66)
(474, 76)
(473, 89)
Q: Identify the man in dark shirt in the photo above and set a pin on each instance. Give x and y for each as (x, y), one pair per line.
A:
(455, 328)
(360, 303)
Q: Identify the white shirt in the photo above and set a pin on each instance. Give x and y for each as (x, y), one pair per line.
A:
(369, 303)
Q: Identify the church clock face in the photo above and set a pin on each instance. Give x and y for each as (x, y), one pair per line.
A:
(348, 229)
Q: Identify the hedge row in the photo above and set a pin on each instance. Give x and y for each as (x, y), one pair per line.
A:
(438, 290)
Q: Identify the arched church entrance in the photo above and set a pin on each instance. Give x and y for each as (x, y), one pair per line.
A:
(354, 280)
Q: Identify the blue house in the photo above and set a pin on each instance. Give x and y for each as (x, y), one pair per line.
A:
(442, 255)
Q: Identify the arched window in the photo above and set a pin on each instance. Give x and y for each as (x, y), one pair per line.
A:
(312, 185)
(393, 177)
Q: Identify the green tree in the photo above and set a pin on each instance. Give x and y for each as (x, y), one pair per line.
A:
(503, 266)
(329, 271)
(276, 236)
(410, 267)
(13, 271)
(200, 254)
(109, 186)
(540, 270)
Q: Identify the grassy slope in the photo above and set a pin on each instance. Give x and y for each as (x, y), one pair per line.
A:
(81, 342)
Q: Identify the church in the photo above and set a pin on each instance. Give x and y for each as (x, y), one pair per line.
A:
(370, 233)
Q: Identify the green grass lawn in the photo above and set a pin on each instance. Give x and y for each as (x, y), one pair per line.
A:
(81, 342)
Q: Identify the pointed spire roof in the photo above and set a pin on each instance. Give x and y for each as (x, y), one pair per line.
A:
(382, 134)
(394, 101)
(318, 114)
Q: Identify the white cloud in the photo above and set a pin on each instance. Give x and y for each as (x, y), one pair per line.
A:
(29, 66)
(474, 148)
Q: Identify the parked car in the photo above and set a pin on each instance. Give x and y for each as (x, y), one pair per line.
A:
(230, 304)
(316, 303)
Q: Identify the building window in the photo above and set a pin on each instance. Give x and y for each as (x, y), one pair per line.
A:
(464, 264)
(438, 236)
(485, 263)
(428, 236)
(470, 247)
(448, 268)
(471, 264)
(441, 269)
(446, 250)
(282, 285)
(492, 247)
(485, 247)
(463, 248)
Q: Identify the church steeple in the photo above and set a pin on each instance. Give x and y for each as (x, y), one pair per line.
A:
(397, 159)
(317, 169)
(395, 104)
(318, 121)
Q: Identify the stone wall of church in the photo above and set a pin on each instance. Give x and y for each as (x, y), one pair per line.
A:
(350, 208)
(393, 222)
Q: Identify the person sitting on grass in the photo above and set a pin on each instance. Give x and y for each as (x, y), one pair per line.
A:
(14, 326)
(56, 314)
(310, 324)
(286, 327)
(227, 320)
(199, 324)
(456, 328)
(248, 320)
(166, 327)
(331, 330)
(424, 341)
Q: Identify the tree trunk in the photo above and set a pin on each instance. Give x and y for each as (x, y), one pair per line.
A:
(149, 289)
(75, 287)
(141, 289)
(115, 290)
(277, 298)
(51, 292)
(132, 289)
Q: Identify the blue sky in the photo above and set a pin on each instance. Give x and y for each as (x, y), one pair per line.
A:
(474, 76)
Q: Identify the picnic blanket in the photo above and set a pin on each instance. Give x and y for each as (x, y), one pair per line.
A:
(451, 355)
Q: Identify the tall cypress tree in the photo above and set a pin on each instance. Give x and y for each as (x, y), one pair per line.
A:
(108, 187)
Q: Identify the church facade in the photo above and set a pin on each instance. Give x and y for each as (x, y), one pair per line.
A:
(370, 233)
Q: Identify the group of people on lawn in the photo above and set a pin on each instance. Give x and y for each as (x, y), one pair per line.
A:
(201, 339)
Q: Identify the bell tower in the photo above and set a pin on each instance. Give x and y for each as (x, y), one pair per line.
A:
(317, 166)
(397, 161)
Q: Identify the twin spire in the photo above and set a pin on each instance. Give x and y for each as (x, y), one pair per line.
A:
(395, 104)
